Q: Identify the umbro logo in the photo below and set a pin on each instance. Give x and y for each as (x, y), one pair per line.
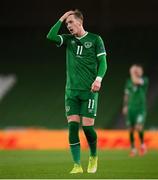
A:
(72, 42)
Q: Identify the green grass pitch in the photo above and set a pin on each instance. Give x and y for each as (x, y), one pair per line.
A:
(57, 164)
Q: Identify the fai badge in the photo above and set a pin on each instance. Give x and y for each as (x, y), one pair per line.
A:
(88, 44)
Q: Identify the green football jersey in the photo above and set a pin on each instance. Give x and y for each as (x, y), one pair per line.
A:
(81, 59)
(136, 94)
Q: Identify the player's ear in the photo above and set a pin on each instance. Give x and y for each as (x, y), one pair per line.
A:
(80, 22)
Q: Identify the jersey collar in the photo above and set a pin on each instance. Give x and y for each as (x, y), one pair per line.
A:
(82, 36)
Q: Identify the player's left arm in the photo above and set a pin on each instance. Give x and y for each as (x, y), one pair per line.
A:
(102, 65)
(102, 68)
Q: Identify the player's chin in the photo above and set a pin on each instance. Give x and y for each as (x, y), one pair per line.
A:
(73, 33)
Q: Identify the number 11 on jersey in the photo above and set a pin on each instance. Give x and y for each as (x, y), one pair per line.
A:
(79, 50)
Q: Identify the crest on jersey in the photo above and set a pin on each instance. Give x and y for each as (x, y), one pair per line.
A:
(88, 44)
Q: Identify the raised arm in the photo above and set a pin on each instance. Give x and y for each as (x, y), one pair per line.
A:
(53, 33)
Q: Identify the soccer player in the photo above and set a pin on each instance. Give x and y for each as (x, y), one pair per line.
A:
(86, 67)
(135, 106)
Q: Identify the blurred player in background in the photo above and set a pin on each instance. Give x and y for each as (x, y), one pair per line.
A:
(135, 106)
(86, 67)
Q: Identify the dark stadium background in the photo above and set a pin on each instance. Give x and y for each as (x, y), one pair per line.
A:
(130, 32)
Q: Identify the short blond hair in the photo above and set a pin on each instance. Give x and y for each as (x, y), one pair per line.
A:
(78, 14)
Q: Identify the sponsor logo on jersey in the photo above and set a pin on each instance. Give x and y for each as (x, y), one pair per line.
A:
(88, 44)
(72, 42)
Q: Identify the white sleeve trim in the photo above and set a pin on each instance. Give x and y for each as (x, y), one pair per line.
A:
(101, 54)
(61, 41)
(98, 78)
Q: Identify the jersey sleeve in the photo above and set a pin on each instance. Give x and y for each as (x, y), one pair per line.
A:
(63, 39)
(55, 37)
(100, 48)
(53, 33)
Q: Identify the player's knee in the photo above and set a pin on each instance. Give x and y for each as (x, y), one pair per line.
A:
(73, 132)
(139, 127)
(87, 121)
(73, 118)
(131, 129)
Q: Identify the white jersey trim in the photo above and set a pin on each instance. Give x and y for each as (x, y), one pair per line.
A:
(82, 36)
(100, 54)
(61, 38)
(75, 144)
(98, 78)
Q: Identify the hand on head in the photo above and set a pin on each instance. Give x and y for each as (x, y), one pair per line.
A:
(65, 15)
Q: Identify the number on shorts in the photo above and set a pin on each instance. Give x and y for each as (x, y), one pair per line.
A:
(91, 104)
